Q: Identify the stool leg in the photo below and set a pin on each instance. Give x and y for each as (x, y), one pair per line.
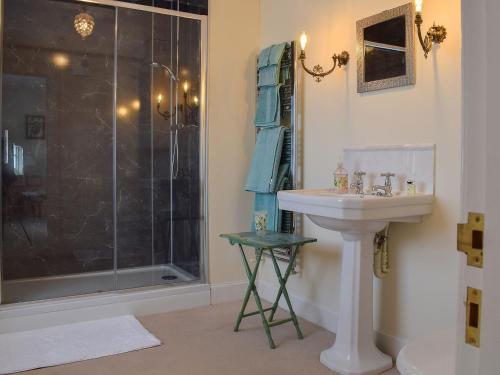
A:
(261, 310)
(282, 282)
(251, 284)
(252, 289)
(285, 278)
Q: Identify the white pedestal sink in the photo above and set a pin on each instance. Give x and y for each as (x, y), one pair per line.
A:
(358, 219)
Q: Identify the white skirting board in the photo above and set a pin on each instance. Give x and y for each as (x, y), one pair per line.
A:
(33, 315)
(57, 345)
(40, 314)
(324, 317)
(305, 309)
(227, 292)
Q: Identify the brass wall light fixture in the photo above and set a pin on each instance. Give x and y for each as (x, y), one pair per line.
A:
(317, 71)
(435, 34)
(165, 114)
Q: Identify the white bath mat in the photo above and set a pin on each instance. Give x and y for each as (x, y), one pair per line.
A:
(21, 351)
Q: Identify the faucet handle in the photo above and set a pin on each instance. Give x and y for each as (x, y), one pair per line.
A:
(388, 176)
(359, 174)
(358, 184)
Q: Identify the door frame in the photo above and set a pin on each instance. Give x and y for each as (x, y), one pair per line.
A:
(480, 183)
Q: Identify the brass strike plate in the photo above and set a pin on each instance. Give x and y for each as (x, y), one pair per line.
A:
(470, 239)
(473, 317)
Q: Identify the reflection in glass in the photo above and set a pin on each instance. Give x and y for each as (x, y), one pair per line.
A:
(98, 193)
(385, 50)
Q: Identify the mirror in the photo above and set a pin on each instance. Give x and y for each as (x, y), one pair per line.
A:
(386, 49)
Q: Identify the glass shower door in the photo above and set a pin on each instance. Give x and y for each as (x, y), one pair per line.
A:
(186, 216)
(157, 136)
(57, 191)
(101, 164)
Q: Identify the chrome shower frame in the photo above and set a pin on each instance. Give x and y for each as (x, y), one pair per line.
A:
(203, 146)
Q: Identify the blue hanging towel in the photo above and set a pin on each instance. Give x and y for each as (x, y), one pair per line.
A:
(276, 54)
(268, 113)
(264, 57)
(269, 74)
(263, 173)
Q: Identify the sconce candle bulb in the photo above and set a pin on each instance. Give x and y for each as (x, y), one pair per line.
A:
(418, 6)
(303, 41)
(317, 71)
(160, 97)
(185, 86)
(435, 34)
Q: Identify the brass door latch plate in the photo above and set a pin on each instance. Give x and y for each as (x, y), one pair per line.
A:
(473, 317)
(470, 239)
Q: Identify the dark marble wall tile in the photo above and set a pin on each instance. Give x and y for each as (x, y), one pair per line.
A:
(133, 138)
(186, 187)
(165, 36)
(57, 215)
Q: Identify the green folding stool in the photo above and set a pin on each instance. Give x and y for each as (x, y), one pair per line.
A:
(262, 242)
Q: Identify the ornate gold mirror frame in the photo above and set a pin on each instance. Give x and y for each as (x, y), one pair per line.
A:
(407, 11)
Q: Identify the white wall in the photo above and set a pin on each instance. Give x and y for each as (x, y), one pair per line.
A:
(233, 45)
(420, 293)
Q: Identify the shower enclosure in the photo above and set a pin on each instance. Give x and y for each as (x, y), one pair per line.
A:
(103, 154)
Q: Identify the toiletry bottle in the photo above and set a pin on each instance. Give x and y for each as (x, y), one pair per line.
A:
(411, 188)
(340, 179)
(411, 184)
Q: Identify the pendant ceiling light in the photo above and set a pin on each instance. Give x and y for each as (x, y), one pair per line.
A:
(84, 24)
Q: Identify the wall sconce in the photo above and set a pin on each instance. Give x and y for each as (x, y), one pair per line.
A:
(165, 114)
(435, 34)
(317, 71)
(185, 109)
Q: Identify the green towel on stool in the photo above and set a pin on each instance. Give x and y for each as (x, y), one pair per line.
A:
(268, 202)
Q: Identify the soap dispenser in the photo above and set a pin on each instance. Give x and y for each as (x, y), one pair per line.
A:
(340, 179)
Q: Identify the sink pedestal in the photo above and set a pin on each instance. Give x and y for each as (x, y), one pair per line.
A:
(357, 218)
(354, 351)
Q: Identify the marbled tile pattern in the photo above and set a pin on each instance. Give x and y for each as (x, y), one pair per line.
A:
(58, 216)
(133, 139)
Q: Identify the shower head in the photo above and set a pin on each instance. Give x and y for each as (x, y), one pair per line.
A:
(157, 65)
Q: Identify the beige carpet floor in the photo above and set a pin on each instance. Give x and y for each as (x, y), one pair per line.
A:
(202, 342)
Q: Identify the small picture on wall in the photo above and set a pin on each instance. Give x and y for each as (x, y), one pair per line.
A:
(35, 127)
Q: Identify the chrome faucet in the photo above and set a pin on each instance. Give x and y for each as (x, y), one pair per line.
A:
(386, 189)
(358, 184)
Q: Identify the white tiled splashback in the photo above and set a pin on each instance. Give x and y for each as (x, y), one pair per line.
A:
(403, 160)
